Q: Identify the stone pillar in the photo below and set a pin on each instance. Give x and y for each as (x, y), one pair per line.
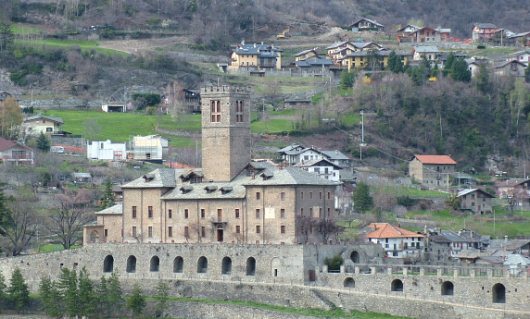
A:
(422, 271)
(342, 269)
(389, 270)
(357, 270)
(405, 272)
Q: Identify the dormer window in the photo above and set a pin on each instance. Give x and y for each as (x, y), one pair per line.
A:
(210, 188)
(186, 189)
(148, 177)
(226, 189)
(267, 175)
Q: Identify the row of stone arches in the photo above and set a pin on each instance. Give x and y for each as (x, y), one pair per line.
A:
(447, 288)
(178, 265)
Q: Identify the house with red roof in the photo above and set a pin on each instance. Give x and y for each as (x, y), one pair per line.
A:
(432, 171)
(397, 242)
(15, 153)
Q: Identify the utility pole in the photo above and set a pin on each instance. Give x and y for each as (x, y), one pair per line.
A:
(362, 136)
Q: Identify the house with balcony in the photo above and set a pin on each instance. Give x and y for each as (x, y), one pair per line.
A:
(34, 125)
(254, 56)
(397, 242)
(484, 32)
(12, 152)
(324, 168)
(365, 24)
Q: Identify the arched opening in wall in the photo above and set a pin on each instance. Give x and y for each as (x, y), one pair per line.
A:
(349, 282)
(251, 266)
(154, 265)
(108, 264)
(354, 257)
(131, 264)
(448, 289)
(178, 265)
(397, 285)
(202, 265)
(498, 293)
(226, 267)
(94, 236)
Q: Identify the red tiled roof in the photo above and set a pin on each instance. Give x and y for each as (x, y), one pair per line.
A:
(7, 144)
(436, 159)
(384, 230)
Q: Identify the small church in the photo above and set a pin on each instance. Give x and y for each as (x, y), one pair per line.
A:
(231, 199)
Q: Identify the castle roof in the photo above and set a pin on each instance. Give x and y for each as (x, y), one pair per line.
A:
(159, 178)
(113, 210)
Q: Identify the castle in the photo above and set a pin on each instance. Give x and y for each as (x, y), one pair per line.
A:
(244, 230)
(231, 199)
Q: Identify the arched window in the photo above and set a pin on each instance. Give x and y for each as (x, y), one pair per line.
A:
(498, 293)
(226, 267)
(354, 256)
(448, 289)
(131, 264)
(154, 265)
(202, 265)
(397, 285)
(251, 266)
(178, 264)
(108, 264)
(349, 282)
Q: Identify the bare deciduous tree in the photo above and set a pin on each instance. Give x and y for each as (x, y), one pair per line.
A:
(19, 223)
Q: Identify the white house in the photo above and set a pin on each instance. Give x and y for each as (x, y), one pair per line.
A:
(429, 52)
(521, 56)
(151, 148)
(34, 125)
(106, 150)
(397, 242)
(298, 154)
(323, 168)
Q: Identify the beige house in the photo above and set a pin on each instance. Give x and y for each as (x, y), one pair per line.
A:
(34, 125)
(256, 56)
(433, 171)
(231, 199)
(475, 200)
(306, 54)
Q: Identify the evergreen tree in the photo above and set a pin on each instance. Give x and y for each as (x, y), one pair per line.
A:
(43, 143)
(394, 63)
(483, 81)
(136, 301)
(87, 296)
(346, 80)
(2, 291)
(114, 296)
(161, 297)
(50, 298)
(362, 200)
(448, 64)
(108, 196)
(104, 308)
(18, 292)
(68, 288)
(7, 38)
(460, 71)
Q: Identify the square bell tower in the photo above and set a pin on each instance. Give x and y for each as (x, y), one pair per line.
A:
(225, 131)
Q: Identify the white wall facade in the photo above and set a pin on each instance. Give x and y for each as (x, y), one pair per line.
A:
(106, 150)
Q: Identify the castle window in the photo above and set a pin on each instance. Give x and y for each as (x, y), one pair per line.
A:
(311, 212)
(282, 196)
(134, 212)
(133, 232)
(215, 111)
(302, 195)
(329, 212)
(301, 211)
(282, 213)
(219, 214)
(258, 229)
(310, 195)
(178, 264)
(258, 195)
(154, 265)
(150, 231)
(203, 213)
(131, 264)
(203, 231)
(186, 232)
(258, 213)
(170, 231)
(282, 229)
(320, 212)
(170, 214)
(150, 211)
(236, 212)
(239, 111)
(108, 264)
(329, 195)
(251, 266)
(186, 213)
(238, 229)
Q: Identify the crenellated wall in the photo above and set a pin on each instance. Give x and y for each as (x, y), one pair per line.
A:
(295, 275)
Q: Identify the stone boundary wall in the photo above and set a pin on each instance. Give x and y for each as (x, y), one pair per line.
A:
(293, 275)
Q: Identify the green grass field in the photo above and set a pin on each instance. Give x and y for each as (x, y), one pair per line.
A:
(24, 29)
(84, 45)
(409, 191)
(119, 127)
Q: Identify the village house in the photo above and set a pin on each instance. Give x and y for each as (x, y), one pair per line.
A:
(365, 24)
(397, 242)
(475, 200)
(338, 51)
(517, 192)
(323, 168)
(414, 34)
(445, 33)
(34, 125)
(432, 171)
(465, 243)
(521, 56)
(519, 40)
(306, 54)
(151, 148)
(256, 56)
(483, 32)
(475, 63)
(404, 34)
(437, 248)
(510, 68)
(429, 52)
(231, 199)
(316, 66)
(14, 153)
(106, 150)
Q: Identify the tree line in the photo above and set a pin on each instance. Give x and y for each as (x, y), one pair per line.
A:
(75, 295)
